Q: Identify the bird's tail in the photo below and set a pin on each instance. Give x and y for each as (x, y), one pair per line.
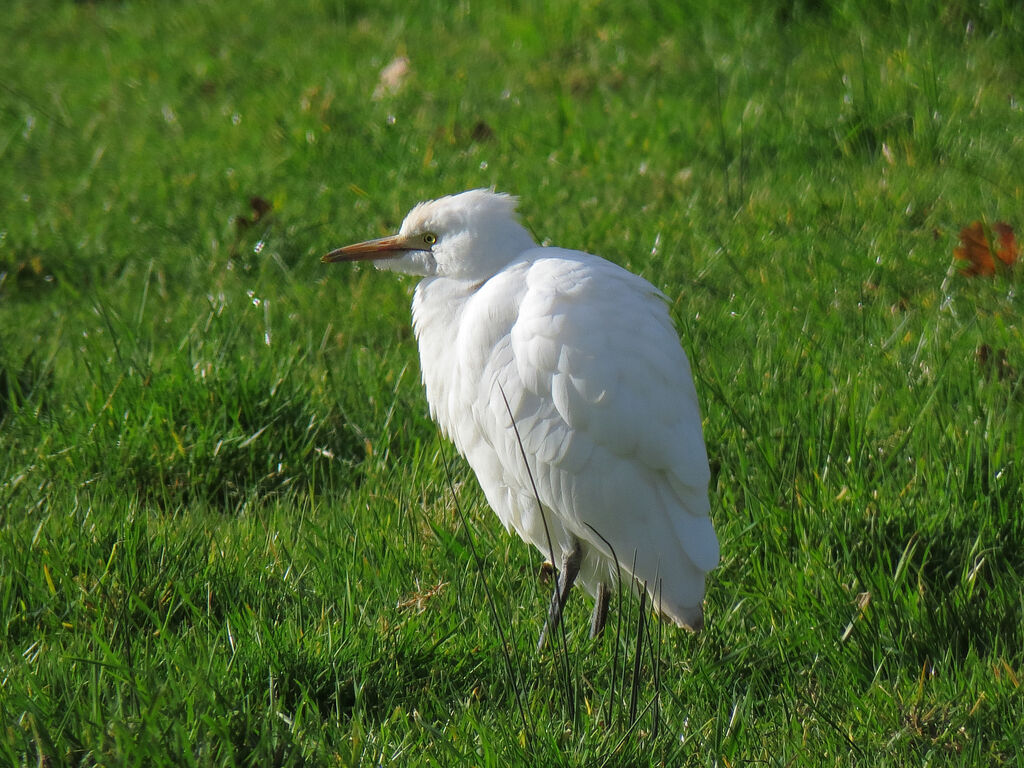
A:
(689, 617)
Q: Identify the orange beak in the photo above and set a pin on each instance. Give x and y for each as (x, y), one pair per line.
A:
(390, 247)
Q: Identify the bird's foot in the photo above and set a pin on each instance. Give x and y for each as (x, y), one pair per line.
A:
(600, 615)
(570, 569)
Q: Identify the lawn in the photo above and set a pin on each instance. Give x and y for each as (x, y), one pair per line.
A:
(229, 532)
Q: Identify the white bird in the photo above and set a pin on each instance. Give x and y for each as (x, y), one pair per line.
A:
(608, 474)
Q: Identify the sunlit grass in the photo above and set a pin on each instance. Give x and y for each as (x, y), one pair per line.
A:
(228, 536)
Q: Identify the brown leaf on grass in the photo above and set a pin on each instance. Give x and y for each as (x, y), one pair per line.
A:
(1007, 250)
(995, 362)
(482, 131)
(260, 208)
(978, 252)
(975, 251)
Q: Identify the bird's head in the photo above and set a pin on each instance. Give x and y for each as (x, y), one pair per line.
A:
(471, 236)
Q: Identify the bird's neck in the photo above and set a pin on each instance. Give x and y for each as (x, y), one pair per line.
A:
(438, 306)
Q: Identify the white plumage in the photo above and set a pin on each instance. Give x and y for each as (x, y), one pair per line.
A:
(597, 383)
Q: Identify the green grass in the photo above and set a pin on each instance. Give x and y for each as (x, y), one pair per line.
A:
(226, 532)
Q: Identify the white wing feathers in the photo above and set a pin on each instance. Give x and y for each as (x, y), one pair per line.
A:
(603, 399)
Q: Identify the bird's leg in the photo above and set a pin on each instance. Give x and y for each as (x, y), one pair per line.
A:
(600, 615)
(566, 577)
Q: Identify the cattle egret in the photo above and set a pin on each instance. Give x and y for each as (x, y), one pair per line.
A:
(561, 379)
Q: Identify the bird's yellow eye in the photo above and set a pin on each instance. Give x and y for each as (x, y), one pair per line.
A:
(429, 238)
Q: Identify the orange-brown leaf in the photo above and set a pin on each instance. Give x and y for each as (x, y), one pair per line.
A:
(1007, 249)
(975, 251)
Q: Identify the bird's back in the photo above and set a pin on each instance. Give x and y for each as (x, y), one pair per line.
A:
(584, 356)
